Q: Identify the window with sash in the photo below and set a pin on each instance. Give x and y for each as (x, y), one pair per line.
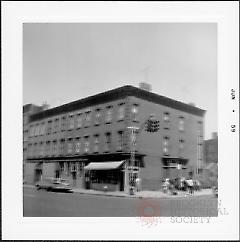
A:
(181, 124)
(63, 123)
(54, 147)
(135, 112)
(49, 127)
(70, 122)
(108, 140)
(41, 149)
(109, 114)
(120, 140)
(62, 146)
(121, 111)
(79, 121)
(42, 129)
(48, 148)
(97, 116)
(166, 145)
(29, 150)
(56, 125)
(70, 146)
(87, 119)
(96, 143)
(86, 144)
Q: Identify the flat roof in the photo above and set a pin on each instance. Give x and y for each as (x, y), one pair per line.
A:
(115, 94)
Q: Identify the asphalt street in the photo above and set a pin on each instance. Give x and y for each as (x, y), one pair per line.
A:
(54, 204)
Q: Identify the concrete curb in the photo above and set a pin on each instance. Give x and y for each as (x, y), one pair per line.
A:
(106, 194)
(140, 196)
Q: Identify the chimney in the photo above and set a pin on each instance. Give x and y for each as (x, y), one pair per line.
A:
(45, 106)
(145, 86)
(192, 104)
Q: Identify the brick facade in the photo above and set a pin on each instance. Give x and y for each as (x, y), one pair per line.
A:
(96, 129)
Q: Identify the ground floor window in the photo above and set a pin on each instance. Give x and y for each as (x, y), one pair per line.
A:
(105, 176)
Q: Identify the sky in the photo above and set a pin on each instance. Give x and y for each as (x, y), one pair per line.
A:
(63, 62)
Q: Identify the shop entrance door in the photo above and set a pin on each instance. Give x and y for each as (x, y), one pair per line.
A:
(121, 181)
(37, 175)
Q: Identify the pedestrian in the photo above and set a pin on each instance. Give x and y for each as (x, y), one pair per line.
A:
(190, 186)
(166, 185)
(138, 184)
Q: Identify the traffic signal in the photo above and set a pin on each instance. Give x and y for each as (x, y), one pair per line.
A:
(152, 125)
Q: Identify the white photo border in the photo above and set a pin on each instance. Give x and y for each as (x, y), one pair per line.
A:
(14, 14)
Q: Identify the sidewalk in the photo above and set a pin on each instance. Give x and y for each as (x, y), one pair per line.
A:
(144, 194)
(141, 194)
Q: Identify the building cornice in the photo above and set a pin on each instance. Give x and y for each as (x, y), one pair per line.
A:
(116, 94)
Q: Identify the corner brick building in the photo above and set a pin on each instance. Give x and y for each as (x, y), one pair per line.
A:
(67, 141)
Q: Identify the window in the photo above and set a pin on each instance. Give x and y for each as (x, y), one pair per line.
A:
(120, 141)
(41, 149)
(181, 124)
(135, 111)
(54, 147)
(70, 122)
(47, 149)
(166, 117)
(107, 142)
(121, 111)
(166, 120)
(181, 147)
(36, 130)
(80, 168)
(56, 125)
(62, 146)
(35, 150)
(200, 128)
(30, 150)
(79, 121)
(31, 131)
(86, 144)
(78, 145)
(61, 165)
(96, 143)
(98, 116)
(49, 127)
(63, 123)
(73, 166)
(87, 119)
(109, 111)
(67, 168)
(42, 129)
(25, 135)
(70, 146)
(166, 145)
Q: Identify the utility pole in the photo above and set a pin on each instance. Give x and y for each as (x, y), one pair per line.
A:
(151, 125)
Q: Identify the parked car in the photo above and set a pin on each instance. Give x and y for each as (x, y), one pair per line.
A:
(54, 184)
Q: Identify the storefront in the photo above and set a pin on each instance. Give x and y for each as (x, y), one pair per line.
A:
(107, 176)
(174, 167)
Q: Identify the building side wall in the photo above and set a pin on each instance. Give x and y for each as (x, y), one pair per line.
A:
(211, 150)
(113, 127)
(151, 144)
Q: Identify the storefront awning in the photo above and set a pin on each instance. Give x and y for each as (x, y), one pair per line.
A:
(104, 165)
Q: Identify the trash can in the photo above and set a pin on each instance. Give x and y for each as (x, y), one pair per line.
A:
(131, 190)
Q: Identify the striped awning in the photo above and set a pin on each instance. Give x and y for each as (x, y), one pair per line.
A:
(110, 165)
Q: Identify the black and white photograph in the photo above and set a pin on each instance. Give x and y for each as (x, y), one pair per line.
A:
(121, 110)
(122, 120)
